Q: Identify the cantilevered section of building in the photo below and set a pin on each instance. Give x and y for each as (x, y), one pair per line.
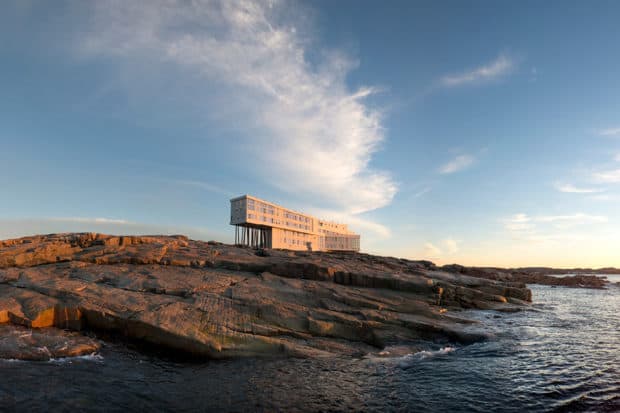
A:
(263, 224)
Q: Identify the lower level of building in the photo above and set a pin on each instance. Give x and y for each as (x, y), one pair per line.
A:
(270, 237)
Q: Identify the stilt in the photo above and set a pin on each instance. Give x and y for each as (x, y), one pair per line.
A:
(253, 237)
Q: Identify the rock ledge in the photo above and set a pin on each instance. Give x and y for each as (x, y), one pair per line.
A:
(215, 300)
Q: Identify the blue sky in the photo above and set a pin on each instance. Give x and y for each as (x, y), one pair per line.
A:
(474, 132)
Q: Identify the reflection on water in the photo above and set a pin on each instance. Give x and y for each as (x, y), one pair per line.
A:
(562, 355)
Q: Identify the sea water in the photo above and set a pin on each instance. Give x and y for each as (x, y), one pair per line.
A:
(561, 354)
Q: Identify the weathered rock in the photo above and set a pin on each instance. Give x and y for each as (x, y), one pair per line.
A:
(575, 281)
(544, 276)
(20, 343)
(216, 300)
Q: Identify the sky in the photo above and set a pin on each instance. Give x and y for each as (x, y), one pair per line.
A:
(472, 132)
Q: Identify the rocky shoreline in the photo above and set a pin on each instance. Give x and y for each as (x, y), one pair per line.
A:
(208, 299)
(582, 278)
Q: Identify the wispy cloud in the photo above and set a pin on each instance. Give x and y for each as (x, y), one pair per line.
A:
(457, 164)
(303, 124)
(577, 219)
(449, 246)
(13, 228)
(545, 228)
(605, 197)
(524, 221)
(499, 67)
(519, 223)
(609, 132)
(207, 186)
(610, 176)
(617, 157)
(357, 222)
(422, 192)
(431, 250)
(88, 220)
(569, 188)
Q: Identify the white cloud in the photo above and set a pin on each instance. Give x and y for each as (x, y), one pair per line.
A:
(457, 164)
(207, 186)
(611, 176)
(577, 219)
(356, 222)
(605, 197)
(308, 132)
(499, 67)
(609, 132)
(548, 228)
(450, 245)
(422, 192)
(91, 220)
(431, 250)
(519, 223)
(520, 218)
(14, 228)
(617, 157)
(569, 188)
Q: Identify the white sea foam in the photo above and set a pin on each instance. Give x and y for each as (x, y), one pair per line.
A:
(427, 354)
(61, 360)
(397, 355)
(87, 357)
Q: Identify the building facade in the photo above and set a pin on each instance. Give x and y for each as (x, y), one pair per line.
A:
(260, 223)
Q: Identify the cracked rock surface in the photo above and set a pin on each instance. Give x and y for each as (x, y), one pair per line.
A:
(214, 300)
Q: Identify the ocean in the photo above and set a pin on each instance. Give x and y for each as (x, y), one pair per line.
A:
(560, 355)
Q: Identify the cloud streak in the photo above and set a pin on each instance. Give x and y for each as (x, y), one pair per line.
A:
(609, 132)
(578, 219)
(449, 246)
(86, 220)
(457, 164)
(496, 69)
(301, 121)
(14, 228)
(206, 186)
(546, 228)
(610, 176)
(358, 222)
(569, 188)
(431, 250)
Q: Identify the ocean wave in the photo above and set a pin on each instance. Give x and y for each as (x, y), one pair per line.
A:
(96, 357)
(424, 354)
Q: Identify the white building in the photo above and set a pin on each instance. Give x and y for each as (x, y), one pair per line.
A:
(263, 224)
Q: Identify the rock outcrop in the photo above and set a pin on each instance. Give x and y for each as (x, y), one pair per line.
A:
(21, 343)
(216, 300)
(542, 276)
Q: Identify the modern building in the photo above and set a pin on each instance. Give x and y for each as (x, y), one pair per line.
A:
(263, 224)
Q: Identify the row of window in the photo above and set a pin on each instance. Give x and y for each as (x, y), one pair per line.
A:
(277, 221)
(296, 238)
(296, 217)
(291, 220)
(294, 241)
(296, 225)
(331, 225)
(260, 207)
